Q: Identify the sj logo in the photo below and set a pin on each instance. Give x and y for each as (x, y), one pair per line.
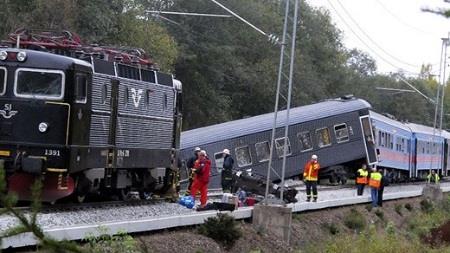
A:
(137, 95)
(8, 112)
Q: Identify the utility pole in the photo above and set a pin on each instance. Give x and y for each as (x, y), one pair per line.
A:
(440, 92)
(284, 86)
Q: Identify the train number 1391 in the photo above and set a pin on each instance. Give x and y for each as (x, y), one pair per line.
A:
(52, 152)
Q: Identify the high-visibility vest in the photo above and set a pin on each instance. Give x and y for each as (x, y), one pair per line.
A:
(436, 178)
(375, 180)
(311, 171)
(362, 176)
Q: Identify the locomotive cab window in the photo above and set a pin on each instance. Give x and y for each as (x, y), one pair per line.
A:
(80, 89)
(243, 156)
(39, 83)
(262, 151)
(2, 81)
(305, 141)
(341, 132)
(279, 144)
(323, 137)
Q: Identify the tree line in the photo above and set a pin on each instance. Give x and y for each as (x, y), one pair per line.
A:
(228, 70)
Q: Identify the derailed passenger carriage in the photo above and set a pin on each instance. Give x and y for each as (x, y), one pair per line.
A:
(100, 124)
(338, 131)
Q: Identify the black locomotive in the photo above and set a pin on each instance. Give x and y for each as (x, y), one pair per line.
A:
(96, 124)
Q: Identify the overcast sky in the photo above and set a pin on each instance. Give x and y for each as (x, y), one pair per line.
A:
(396, 33)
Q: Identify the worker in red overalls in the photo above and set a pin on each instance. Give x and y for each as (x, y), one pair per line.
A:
(202, 168)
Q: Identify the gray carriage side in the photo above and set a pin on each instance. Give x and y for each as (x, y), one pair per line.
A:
(330, 129)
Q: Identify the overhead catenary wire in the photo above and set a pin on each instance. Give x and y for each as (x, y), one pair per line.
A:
(190, 14)
(372, 40)
(402, 21)
(364, 42)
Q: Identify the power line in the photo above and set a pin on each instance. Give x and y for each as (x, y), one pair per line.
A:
(401, 20)
(362, 41)
(373, 41)
(190, 14)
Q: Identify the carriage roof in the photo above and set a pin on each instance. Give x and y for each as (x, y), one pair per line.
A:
(264, 122)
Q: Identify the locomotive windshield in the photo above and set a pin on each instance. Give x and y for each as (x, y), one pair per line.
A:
(39, 83)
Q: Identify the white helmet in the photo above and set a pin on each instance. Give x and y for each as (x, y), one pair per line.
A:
(203, 152)
(197, 149)
(226, 151)
(314, 157)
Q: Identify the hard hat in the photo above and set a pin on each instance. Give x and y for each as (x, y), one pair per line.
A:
(314, 157)
(197, 149)
(226, 151)
(203, 152)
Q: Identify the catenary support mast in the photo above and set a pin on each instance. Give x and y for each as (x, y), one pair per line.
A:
(284, 88)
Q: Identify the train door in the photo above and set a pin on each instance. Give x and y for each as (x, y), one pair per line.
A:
(369, 141)
(445, 158)
(111, 158)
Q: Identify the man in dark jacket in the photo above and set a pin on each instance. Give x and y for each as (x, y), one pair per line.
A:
(190, 165)
(227, 172)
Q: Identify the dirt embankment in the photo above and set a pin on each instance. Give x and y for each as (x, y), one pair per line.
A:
(307, 228)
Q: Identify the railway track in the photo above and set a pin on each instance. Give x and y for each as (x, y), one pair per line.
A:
(147, 216)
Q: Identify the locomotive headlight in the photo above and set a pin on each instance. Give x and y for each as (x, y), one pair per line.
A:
(21, 56)
(3, 55)
(43, 127)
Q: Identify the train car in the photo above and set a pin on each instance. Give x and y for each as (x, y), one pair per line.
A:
(393, 140)
(86, 126)
(428, 150)
(338, 131)
(446, 135)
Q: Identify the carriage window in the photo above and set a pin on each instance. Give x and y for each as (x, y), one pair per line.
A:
(218, 157)
(243, 156)
(279, 144)
(39, 83)
(341, 132)
(323, 137)
(304, 138)
(80, 89)
(262, 151)
(2, 81)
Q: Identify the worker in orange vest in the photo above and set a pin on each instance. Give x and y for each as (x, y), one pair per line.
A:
(375, 183)
(361, 179)
(310, 176)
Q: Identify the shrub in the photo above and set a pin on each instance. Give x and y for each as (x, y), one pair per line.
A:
(380, 214)
(408, 207)
(355, 220)
(398, 209)
(106, 243)
(223, 229)
(369, 207)
(426, 206)
(390, 228)
(332, 228)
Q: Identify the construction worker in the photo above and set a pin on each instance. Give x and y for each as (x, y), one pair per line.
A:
(227, 172)
(202, 168)
(190, 166)
(375, 183)
(310, 176)
(361, 179)
(433, 177)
